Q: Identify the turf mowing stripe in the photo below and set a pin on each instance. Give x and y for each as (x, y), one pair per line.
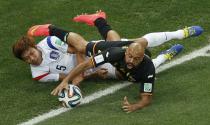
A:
(201, 52)
(86, 100)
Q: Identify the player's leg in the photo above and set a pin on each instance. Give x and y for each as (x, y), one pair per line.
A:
(74, 40)
(77, 41)
(99, 20)
(156, 39)
(149, 40)
(167, 55)
(106, 31)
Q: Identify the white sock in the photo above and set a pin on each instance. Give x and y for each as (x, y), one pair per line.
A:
(160, 59)
(156, 39)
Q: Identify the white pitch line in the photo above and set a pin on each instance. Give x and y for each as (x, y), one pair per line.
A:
(114, 88)
(86, 100)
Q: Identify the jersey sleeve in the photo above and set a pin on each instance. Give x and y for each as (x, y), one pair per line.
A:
(110, 55)
(42, 74)
(147, 85)
(50, 77)
(55, 43)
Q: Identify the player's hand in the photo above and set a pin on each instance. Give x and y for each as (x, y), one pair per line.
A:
(60, 87)
(127, 107)
(102, 73)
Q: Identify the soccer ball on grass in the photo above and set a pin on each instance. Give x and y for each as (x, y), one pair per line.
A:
(72, 101)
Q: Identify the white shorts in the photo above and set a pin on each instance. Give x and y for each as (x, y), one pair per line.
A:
(111, 70)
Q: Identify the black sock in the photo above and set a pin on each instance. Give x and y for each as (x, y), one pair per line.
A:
(60, 33)
(103, 27)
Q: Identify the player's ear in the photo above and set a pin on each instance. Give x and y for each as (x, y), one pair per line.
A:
(126, 51)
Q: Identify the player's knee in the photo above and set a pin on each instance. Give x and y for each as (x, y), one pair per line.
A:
(77, 41)
(142, 41)
(113, 36)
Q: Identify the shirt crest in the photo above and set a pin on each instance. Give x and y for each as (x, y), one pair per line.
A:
(54, 55)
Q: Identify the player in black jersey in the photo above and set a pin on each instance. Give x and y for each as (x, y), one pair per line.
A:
(128, 57)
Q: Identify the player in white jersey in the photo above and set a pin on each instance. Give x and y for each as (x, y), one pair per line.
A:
(56, 60)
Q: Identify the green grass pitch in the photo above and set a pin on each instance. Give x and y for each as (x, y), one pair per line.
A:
(181, 93)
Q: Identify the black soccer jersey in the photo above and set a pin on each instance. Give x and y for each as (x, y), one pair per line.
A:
(144, 73)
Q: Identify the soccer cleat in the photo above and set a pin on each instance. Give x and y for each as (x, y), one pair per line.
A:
(173, 51)
(192, 31)
(39, 30)
(89, 18)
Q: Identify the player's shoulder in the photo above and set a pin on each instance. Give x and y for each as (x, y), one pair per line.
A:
(114, 54)
(50, 40)
(42, 42)
(146, 64)
(145, 68)
(116, 51)
(149, 64)
(53, 43)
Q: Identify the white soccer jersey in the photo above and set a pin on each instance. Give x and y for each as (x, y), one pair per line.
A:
(56, 60)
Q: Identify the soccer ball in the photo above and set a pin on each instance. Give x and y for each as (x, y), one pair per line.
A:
(73, 100)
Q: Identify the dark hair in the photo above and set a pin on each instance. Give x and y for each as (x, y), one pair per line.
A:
(24, 43)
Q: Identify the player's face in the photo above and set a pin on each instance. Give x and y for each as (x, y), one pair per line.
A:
(133, 59)
(32, 56)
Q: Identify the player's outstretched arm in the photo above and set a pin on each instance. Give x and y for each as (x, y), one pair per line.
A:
(75, 81)
(145, 100)
(75, 72)
(62, 76)
(80, 58)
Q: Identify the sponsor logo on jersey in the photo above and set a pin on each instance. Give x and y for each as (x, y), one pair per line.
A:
(54, 55)
(58, 42)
